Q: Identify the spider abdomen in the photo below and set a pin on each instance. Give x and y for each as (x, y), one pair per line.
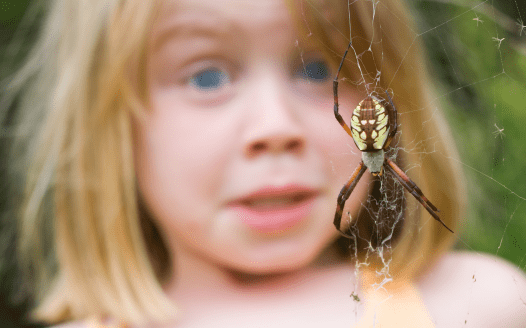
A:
(370, 124)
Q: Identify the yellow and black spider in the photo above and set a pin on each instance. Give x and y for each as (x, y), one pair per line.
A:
(373, 126)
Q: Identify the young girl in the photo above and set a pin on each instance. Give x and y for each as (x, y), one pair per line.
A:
(185, 163)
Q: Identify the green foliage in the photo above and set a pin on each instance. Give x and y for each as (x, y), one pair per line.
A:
(477, 55)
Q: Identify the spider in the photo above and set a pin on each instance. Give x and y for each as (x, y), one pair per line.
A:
(373, 126)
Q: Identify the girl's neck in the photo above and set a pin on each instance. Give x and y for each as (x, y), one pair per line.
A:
(197, 275)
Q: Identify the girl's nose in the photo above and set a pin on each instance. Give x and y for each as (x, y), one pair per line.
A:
(275, 124)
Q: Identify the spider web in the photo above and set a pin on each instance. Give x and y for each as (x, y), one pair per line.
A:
(478, 65)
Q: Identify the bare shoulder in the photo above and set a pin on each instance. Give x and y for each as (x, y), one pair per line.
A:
(475, 290)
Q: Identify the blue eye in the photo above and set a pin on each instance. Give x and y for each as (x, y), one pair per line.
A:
(209, 79)
(317, 71)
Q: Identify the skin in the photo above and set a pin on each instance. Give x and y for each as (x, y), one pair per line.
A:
(265, 124)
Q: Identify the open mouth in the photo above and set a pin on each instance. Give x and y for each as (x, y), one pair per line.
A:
(276, 202)
(275, 211)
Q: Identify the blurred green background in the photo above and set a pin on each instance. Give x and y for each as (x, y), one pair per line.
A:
(480, 85)
(18, 30)
(478, 55)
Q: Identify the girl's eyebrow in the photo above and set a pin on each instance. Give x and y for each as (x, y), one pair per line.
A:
(191, 25)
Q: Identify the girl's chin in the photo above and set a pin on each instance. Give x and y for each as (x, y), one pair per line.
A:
(275, 258)
(238, 248)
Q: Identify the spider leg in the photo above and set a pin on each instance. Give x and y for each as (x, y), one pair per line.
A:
(339, 118)
(413, 189)
(345, 193)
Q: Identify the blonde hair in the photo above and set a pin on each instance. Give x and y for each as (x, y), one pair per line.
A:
(75, 127)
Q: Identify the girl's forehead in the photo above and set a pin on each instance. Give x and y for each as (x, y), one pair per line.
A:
(219, 14)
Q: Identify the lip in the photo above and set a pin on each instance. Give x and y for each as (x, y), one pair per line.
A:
(274, 209)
